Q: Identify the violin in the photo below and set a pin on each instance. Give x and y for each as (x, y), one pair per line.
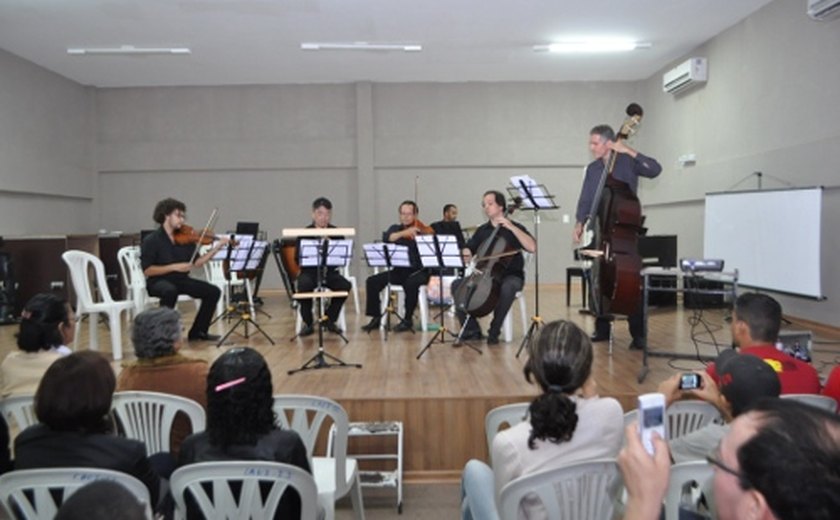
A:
(423, 229)
(188, 235)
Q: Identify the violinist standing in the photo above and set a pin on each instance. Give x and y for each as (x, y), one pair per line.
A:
(308, 278)
(167, 267)
(629, 166)
(410, 278)
(513, 278)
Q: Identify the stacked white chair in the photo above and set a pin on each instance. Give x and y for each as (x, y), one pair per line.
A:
(32, 492)
(248, 502)
(335, 476)
(79, 263)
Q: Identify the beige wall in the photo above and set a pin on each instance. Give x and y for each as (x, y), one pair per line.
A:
(263, 153)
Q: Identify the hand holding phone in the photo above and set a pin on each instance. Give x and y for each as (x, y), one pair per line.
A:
(651, 418)
(691, 381)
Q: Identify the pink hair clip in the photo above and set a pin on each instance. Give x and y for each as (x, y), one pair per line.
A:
(25, 315)
(225, 386)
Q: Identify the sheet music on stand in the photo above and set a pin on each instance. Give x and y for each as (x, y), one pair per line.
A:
(533, 195)
(450, 255)
(397, 255)
(245, 256)
(338, 252)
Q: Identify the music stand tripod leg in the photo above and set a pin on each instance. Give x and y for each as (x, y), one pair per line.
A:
(536, 322)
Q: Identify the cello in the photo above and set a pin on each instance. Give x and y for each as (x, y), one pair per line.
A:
(478, 293)
(614, 225)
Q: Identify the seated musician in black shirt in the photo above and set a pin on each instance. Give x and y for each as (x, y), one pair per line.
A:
(307, 280)
(450, 225)
(167, 267)
(410, 278)
(513, 278)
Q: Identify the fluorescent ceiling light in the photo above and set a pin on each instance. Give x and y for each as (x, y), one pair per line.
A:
(592, 46)
(360, 46)
(129, 50)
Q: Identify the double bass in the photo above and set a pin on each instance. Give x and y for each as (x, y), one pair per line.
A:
(614, 225)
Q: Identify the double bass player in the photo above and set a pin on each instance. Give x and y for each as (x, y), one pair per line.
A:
(629, 166)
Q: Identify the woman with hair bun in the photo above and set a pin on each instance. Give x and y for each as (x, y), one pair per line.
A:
(567, 422)
(47, 326)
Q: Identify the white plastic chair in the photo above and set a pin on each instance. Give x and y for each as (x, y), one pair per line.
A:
(342, 319)
(148, 416)
(135, 281)
(20, 410)
(512, 414)
(335, 476)
(582, 490)
(248, 502)
(78, 263)
(687, 416)
(214, 273)
(820, 401)
(31, 492)
(345, 272)
(699, 471)
(507, 325)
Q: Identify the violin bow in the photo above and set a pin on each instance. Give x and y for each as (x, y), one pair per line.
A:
(210, 223)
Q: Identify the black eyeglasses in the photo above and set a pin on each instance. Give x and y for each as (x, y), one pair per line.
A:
(714, 459)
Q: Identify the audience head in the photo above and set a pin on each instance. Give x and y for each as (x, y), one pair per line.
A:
(560, 361)
(744, 380)
(47, 321)
(239, 398)
(156, 333)
(75, 393)
(787, 459)
(756, 318)
(165, 208)
(102, 500)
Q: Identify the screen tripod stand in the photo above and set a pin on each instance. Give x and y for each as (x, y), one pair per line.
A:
(535, 197)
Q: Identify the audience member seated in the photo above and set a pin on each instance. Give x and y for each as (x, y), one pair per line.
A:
(241, 424)
(780, 460)
(756, 320)
(744, 380)
(160, 368)
(73, 403)
(47, 325)
(832, 385)
(101, 500)
(567, 423)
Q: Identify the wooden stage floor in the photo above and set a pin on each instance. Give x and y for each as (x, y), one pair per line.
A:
(442, 398)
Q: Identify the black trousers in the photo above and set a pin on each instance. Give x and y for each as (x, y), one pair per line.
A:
(410, 279)
(507, 294)
(307, 282)
(168, 289)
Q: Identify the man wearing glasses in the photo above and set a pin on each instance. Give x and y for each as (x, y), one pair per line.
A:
(780, 460)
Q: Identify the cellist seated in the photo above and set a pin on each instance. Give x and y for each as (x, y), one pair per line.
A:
(511, 272)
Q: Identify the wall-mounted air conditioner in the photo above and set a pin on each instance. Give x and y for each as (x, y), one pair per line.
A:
(823, 9)
(687, 74)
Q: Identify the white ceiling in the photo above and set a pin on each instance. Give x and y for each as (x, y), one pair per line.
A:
(258, 41)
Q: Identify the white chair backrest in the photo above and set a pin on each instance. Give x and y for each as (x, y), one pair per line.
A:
(20, 409)
(148, 416)
(248, 502)
(31, 492)
(307, 418)
(820, 401)
(577, 491)
(512, 414)
(687, 416)
(683, 473)
(78, 263)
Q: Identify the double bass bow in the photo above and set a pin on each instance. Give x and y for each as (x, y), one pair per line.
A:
(613, 228)
(478, 294)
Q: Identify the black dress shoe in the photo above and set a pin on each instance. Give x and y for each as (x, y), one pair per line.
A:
(637, 344)
(492, 340)
(476, 335)
(332, 327)
(404, 326)
(204, 336)
(306, 330)
(596, 338)
(372, 325)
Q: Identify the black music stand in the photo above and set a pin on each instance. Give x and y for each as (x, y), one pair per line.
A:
(440, 252)
(323, 253)
(244, 257)
(387, 255)
(535, 197)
